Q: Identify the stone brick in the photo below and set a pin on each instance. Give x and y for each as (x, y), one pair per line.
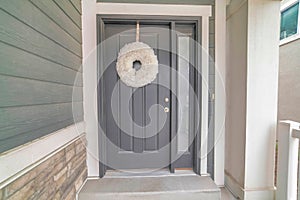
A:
(59, 177)
(68, 184)
(72, 166)
(48, 190)
(80, 145)
(74, 163)
(57, 196)
(84, 176)
(60, 173)
(77, 158)
(43, 196)
(24, 193)
(70, 195)
(43, 177)
(80, 180)
(35, 195)
(81, 140)
(61, 181)
(46, 165)
(71, 180)
(19, 183)
(70, 146)
(70, 153)
(46, 175)
(58, 156)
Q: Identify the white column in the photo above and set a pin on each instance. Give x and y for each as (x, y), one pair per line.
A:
(252, 88)
(262, 94)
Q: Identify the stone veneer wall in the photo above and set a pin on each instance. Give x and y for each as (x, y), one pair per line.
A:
(58, 177)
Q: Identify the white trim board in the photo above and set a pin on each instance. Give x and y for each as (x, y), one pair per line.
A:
(17, 162)
(220, 92)
(153, 9)
(290, 39)
(90, 10)
(287, 4)
(204, 95)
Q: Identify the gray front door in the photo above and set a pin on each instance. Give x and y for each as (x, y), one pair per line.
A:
(139, 148)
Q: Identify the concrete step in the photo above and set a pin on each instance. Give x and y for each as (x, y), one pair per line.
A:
(185, 187)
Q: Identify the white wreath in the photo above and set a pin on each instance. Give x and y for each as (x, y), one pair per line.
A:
(130, 53)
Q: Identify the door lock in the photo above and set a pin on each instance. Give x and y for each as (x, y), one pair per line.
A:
(167, 99)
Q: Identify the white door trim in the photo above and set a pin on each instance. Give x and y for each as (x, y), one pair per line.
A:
(220, 92)
(204, 95)
(90, 10)
(153, 9)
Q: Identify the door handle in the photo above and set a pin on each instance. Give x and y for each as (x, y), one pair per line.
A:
(166, 109)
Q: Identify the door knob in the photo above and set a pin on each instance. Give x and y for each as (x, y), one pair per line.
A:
(167, 99)
(166, 109)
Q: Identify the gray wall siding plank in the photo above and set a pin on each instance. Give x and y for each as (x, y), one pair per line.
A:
(19, 63)
(69, 9)
(77, 5)
(40, 69)
(33, 135)
(22, 36)
(41, 92)
(22, 120)
(24, 11)
(57, 15)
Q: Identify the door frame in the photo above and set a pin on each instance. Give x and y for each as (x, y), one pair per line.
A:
(170, 20)
(89, 11)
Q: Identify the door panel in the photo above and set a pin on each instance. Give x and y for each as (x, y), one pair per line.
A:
(133, 150)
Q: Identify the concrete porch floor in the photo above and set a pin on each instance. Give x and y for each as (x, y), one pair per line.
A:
(122, 187)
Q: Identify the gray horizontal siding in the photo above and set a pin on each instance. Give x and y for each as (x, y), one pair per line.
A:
(40, 69)
(44, 92)
(53, 11)
(77, 5)
(19, 120)
(20, 35)
(68, 8)
(28, 65)
(38, 22)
